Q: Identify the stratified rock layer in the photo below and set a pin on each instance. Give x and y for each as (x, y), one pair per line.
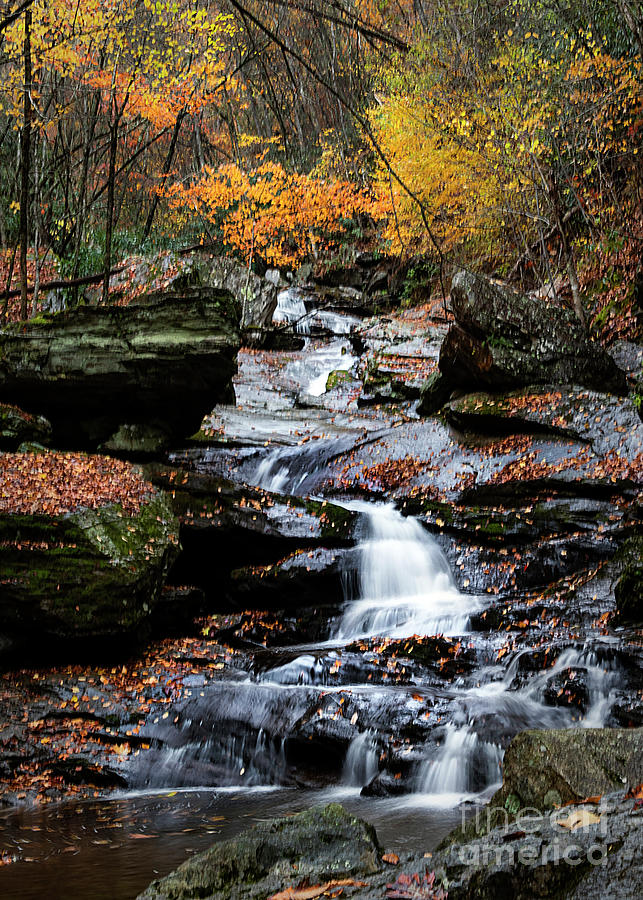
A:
(156, 366)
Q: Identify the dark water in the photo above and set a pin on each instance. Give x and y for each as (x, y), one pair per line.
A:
(111, 850)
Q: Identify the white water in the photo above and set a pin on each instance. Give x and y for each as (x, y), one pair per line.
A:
(463, 766)
(361, 763)
(293, 310)
(405, 586)
(333, 358)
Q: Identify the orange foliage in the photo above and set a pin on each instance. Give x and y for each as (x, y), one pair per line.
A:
(285, 217)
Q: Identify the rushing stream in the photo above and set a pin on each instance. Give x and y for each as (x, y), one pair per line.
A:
(248, 746)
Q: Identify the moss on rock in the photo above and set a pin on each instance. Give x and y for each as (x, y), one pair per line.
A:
(85, 573)
(320, 845)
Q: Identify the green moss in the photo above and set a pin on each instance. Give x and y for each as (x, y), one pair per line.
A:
(337, 378)
(91, 572)
(335, 521)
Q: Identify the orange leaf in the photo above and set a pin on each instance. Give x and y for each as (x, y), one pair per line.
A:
(315, 890)
(635, 793)
(391, 858)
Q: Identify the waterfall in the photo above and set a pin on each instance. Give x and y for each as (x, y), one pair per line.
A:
(295, 307)
(291, 309)
(464, 765)
(405, 586)
(361, 763)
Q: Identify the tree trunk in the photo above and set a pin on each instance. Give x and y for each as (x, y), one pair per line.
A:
(166, 171)
(109, 225)
(25, 154)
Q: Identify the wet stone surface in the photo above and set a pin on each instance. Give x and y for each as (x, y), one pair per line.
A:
(386, 600)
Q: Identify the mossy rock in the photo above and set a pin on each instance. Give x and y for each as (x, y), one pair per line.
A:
(320, 845)
(339, 377)
(161, 363)
(87, 574)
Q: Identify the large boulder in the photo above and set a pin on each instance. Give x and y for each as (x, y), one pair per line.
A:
(503, 339)
(544, 769)
(86, 544)
(122, 374)
(320, 845)
(257, 296)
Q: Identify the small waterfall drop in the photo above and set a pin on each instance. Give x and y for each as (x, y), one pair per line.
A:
(298, 308)
(464, 765)
(291, 310)
(405, 586)
(361, 763)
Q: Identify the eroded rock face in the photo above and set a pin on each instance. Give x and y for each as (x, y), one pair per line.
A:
(158, 365)
(503, 339)
(257, 296)
(320, 845)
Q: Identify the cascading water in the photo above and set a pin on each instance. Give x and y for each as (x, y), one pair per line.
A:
(362, 760)
(291, 309)
(404, 585)
(297, 308)
(464, 765)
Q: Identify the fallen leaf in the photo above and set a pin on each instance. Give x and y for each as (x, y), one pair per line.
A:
(315, 890)
(391, 858)
(580, 818)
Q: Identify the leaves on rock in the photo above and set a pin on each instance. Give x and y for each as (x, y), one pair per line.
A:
(415, 887)
(316, 890)
(52, 484)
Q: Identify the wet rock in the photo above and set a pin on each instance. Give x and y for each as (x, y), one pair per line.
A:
(503, 339)
(525, 523)
(543, 769)
(384, 382)
(629, 588)
(278, 339)
(628, 357)
(568, 689)
(579, 852)
(319, 845)
(267, 536)
(18, 427)
(162, 363)
(85, 574)
(305, 578)
(435, 393)
(610, 424)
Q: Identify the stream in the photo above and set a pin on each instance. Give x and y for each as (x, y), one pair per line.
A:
(410, 743)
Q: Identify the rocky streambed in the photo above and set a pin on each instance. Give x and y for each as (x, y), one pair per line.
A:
(387, 588)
